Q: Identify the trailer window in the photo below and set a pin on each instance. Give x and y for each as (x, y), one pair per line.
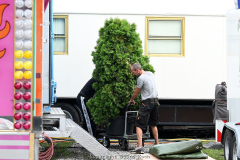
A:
(165, 36)
(60, 30)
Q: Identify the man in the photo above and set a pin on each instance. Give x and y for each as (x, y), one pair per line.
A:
(148, 111)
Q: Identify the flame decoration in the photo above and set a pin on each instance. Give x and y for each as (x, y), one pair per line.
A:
(5, 31)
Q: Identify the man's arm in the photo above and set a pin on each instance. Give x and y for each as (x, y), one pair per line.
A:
(135, 94)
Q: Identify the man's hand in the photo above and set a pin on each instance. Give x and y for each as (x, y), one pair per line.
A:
(135, 94)
(132, 102)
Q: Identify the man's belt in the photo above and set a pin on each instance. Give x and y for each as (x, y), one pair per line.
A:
(150, 100)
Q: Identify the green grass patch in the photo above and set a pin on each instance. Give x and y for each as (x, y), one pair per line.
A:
(61, 150)
(214, 153)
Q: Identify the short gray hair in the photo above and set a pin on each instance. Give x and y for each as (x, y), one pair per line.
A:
(136, 66)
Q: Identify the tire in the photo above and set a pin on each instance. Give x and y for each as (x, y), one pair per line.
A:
(233, 149)
(143, 142)
(228, 136)
(106, 142)
(82, 120)
(70, 112)
(83, 123)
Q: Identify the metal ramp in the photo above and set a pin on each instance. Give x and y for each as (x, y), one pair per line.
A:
(68, 128)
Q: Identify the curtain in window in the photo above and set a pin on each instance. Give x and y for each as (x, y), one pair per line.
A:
(59, 44)
(59, 27)
(164, 37)
(59, 34)
(165, 29)
(164, 46)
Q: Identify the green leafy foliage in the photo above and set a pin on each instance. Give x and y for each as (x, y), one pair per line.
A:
(118, 47)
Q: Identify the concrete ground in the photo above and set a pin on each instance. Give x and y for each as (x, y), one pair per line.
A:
(118, 153)
(152, 157)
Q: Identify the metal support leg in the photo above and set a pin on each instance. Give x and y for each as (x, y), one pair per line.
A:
(36, 148)
(148, 133)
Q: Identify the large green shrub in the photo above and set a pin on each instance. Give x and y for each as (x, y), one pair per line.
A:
(117, 48)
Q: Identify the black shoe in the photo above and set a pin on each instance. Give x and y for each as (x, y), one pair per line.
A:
(138, 151)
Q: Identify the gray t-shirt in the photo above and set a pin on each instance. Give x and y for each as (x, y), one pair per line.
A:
(147, 83)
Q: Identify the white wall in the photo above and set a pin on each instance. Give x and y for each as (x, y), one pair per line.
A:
(233, 65)
(191, 77)
(196, 7)
(195, 75)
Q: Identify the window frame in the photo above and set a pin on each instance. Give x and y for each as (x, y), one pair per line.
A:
(147, 19)
(66, 34)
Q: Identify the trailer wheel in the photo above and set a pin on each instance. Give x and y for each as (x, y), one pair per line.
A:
(227, 140)
(125, 144)
(233, 149)
(106, 142)
(70, 111)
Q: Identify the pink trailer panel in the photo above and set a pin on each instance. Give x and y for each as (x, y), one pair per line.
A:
(6, 57)
(14, 146)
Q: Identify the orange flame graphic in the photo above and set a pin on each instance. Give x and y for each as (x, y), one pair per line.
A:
(2, 53)
(5, 31)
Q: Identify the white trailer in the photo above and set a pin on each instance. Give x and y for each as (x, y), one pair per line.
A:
(231, 130)
(186, 79)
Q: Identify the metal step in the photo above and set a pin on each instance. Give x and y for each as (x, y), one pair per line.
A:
(55, 113)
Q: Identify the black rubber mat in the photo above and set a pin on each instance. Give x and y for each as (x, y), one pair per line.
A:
(213, 145)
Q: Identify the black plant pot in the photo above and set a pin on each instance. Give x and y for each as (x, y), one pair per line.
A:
(117, 126)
